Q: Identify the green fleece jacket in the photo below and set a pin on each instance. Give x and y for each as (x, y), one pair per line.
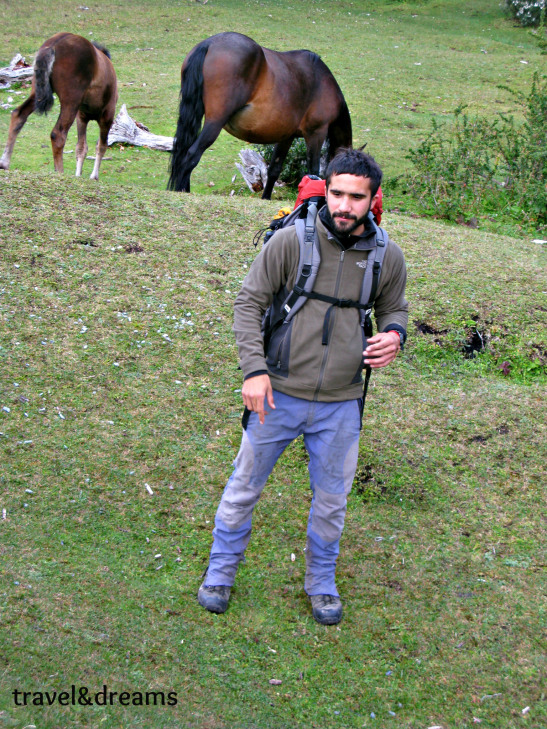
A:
(297, 361)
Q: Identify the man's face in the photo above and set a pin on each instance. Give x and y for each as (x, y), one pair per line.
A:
(348, 200)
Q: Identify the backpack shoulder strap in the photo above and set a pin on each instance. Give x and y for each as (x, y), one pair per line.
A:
(369, 287)
(308, 266)
(309, 261)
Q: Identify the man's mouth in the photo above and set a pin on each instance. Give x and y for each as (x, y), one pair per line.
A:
(344, 217)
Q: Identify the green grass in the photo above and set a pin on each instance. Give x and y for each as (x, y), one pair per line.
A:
(108, 387)
(119, 369)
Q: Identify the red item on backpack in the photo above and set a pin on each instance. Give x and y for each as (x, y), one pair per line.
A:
(308, 187)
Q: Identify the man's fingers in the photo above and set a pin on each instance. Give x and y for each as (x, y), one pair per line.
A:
(381, 352)
(258, 407)
(379, 362)
(384, 348)
(255, 391)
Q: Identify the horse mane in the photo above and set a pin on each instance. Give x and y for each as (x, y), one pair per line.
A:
(101, 48)
(314, 57)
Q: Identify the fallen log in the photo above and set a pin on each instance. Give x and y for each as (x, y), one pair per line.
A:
(253, 170)
(126, 130)
(18, 70)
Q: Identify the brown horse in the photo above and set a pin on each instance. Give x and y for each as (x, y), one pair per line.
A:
(258, 95)
(83, 77)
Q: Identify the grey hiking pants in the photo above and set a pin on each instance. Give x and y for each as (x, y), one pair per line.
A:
(331, 437)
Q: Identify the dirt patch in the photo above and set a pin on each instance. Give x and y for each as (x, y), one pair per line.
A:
(428, 330)
(475, 343)
(133, 248)
(85, 242)
(475, 340)
(365, 483)
(479, 439)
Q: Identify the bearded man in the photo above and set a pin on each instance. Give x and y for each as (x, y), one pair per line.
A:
(309, 381)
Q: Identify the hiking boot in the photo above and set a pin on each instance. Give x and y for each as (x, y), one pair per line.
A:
(327, 609)
(214, 597)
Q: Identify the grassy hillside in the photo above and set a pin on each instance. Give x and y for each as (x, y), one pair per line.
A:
(120, 405)
(119, 371)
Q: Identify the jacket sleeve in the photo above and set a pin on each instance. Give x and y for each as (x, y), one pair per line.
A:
(275, 265)
(391, 307)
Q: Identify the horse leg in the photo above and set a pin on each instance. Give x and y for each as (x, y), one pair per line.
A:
(18, 118)
(314, 142)
(81, 146)
(279, 155)
(210, 131)
(105, 122)
(58, 135)
(340, 133)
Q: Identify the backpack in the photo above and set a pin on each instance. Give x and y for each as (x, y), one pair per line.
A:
(303, 217)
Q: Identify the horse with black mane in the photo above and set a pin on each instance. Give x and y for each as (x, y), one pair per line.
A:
(257, 95)
(83, 77)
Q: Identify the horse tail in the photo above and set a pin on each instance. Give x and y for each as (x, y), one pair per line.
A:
(339, 133)
(42, 80)
(101, 48)
(191, 111)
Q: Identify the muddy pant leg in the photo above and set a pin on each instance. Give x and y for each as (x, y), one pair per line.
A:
(332, 443)
(261, 446)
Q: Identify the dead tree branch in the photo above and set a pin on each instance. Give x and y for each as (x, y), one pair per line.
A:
(18, 70)
(127, 131)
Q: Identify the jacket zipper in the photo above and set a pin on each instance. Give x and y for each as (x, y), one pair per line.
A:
(326, 352)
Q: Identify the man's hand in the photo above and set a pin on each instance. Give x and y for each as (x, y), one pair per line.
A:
(254, 390)
(382, 349)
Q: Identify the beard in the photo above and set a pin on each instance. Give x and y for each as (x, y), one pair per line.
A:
(346, 228)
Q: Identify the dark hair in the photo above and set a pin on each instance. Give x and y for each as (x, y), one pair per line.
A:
(348, 161)
(99, 47)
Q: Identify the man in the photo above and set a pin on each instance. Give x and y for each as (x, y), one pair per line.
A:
(304, 386)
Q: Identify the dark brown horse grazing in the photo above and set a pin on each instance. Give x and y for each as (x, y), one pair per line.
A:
(258, 95)
(83, 77)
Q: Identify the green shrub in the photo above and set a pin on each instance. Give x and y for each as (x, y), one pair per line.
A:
(474, 167)
(295, 165)
(527, 12)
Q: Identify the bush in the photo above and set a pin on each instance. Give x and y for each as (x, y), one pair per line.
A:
(527, 12)
(475, 167)
(295, 165)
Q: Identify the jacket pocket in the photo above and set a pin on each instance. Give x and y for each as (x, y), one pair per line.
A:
(278, 354)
